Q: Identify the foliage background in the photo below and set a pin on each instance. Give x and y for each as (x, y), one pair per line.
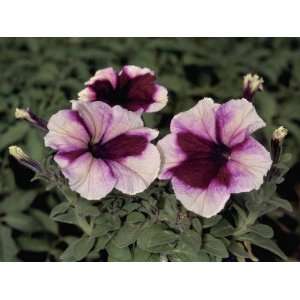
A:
(44, 73)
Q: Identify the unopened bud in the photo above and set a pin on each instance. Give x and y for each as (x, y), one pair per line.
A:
(252, 84)
(24, 159)
(29, 116)
(279, 134)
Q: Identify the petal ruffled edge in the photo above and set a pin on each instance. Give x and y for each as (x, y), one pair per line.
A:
(204, 202)
(200, 120)
(66, 132)
(91, 178)
(248, 164)
(135, 173)
(107, 74)
(237, 119)
(160, 98)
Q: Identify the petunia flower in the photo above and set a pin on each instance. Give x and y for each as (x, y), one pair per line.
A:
(133, 88)
(210, 154)
(100, 148)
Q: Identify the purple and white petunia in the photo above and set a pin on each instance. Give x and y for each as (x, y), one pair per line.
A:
(133, 88)
(210, 154)
(101, 147)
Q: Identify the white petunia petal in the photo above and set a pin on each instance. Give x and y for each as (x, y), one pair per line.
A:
(200, 120)
(236, 120)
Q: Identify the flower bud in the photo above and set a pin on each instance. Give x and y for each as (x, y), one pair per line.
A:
(29, 116)
(252, 84)
(278, 136)
(24, 159)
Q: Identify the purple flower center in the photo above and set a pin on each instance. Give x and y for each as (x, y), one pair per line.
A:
(131, 93)
(205, 161)
(121, 146)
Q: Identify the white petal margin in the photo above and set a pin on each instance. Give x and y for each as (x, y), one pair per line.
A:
(171, 155)
(108, 74)
(200, 120)
(66, 132)
(248, 165)
(236, 120)
(160, 97)
(134, 71)
(96, 115)
(204, 202)
(122, 121)
(87, 94)
(91, 178)
(135, 173)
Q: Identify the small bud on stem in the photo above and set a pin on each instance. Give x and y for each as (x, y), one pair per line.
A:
(278, 137)
(276, 143)
(24, 159)
(252, 84)
(29, 116)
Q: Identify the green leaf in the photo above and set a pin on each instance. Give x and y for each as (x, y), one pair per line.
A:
(222, 229)
(188, 248)
(140, 255)
(262, 230)
(33, 244)
(197, 225)
(238, 249)
(102, 241)
(22, 222)
(118, 254)
(18, 201)
(154, 236)
(69, 217)
(59, 209)
(169, 211)
(129, 207)
(78, 249)
(8, 247)
(127, 235)
(215, 246)
(45, 221)
(106, 223)
(263, 243)
(211, 221)
(192, 238)
(85, 208)
(282, 203)
(184, 253)
(135, 217)
(13, 134)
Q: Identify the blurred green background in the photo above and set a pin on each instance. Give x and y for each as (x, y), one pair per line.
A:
(45, 73)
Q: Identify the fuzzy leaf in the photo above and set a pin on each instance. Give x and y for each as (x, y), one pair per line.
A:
(33, 244)
(8, 247)
(127, 235)
(222, 229)
(156, 236)
(211, 221)
(135, 217)
(262, 230)
(263, 243)
(215, 246)
(45, 221)
(78, 249)
(118, 254)
(22, 222)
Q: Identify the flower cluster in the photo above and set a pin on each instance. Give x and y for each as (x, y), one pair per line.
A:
(101, 142)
